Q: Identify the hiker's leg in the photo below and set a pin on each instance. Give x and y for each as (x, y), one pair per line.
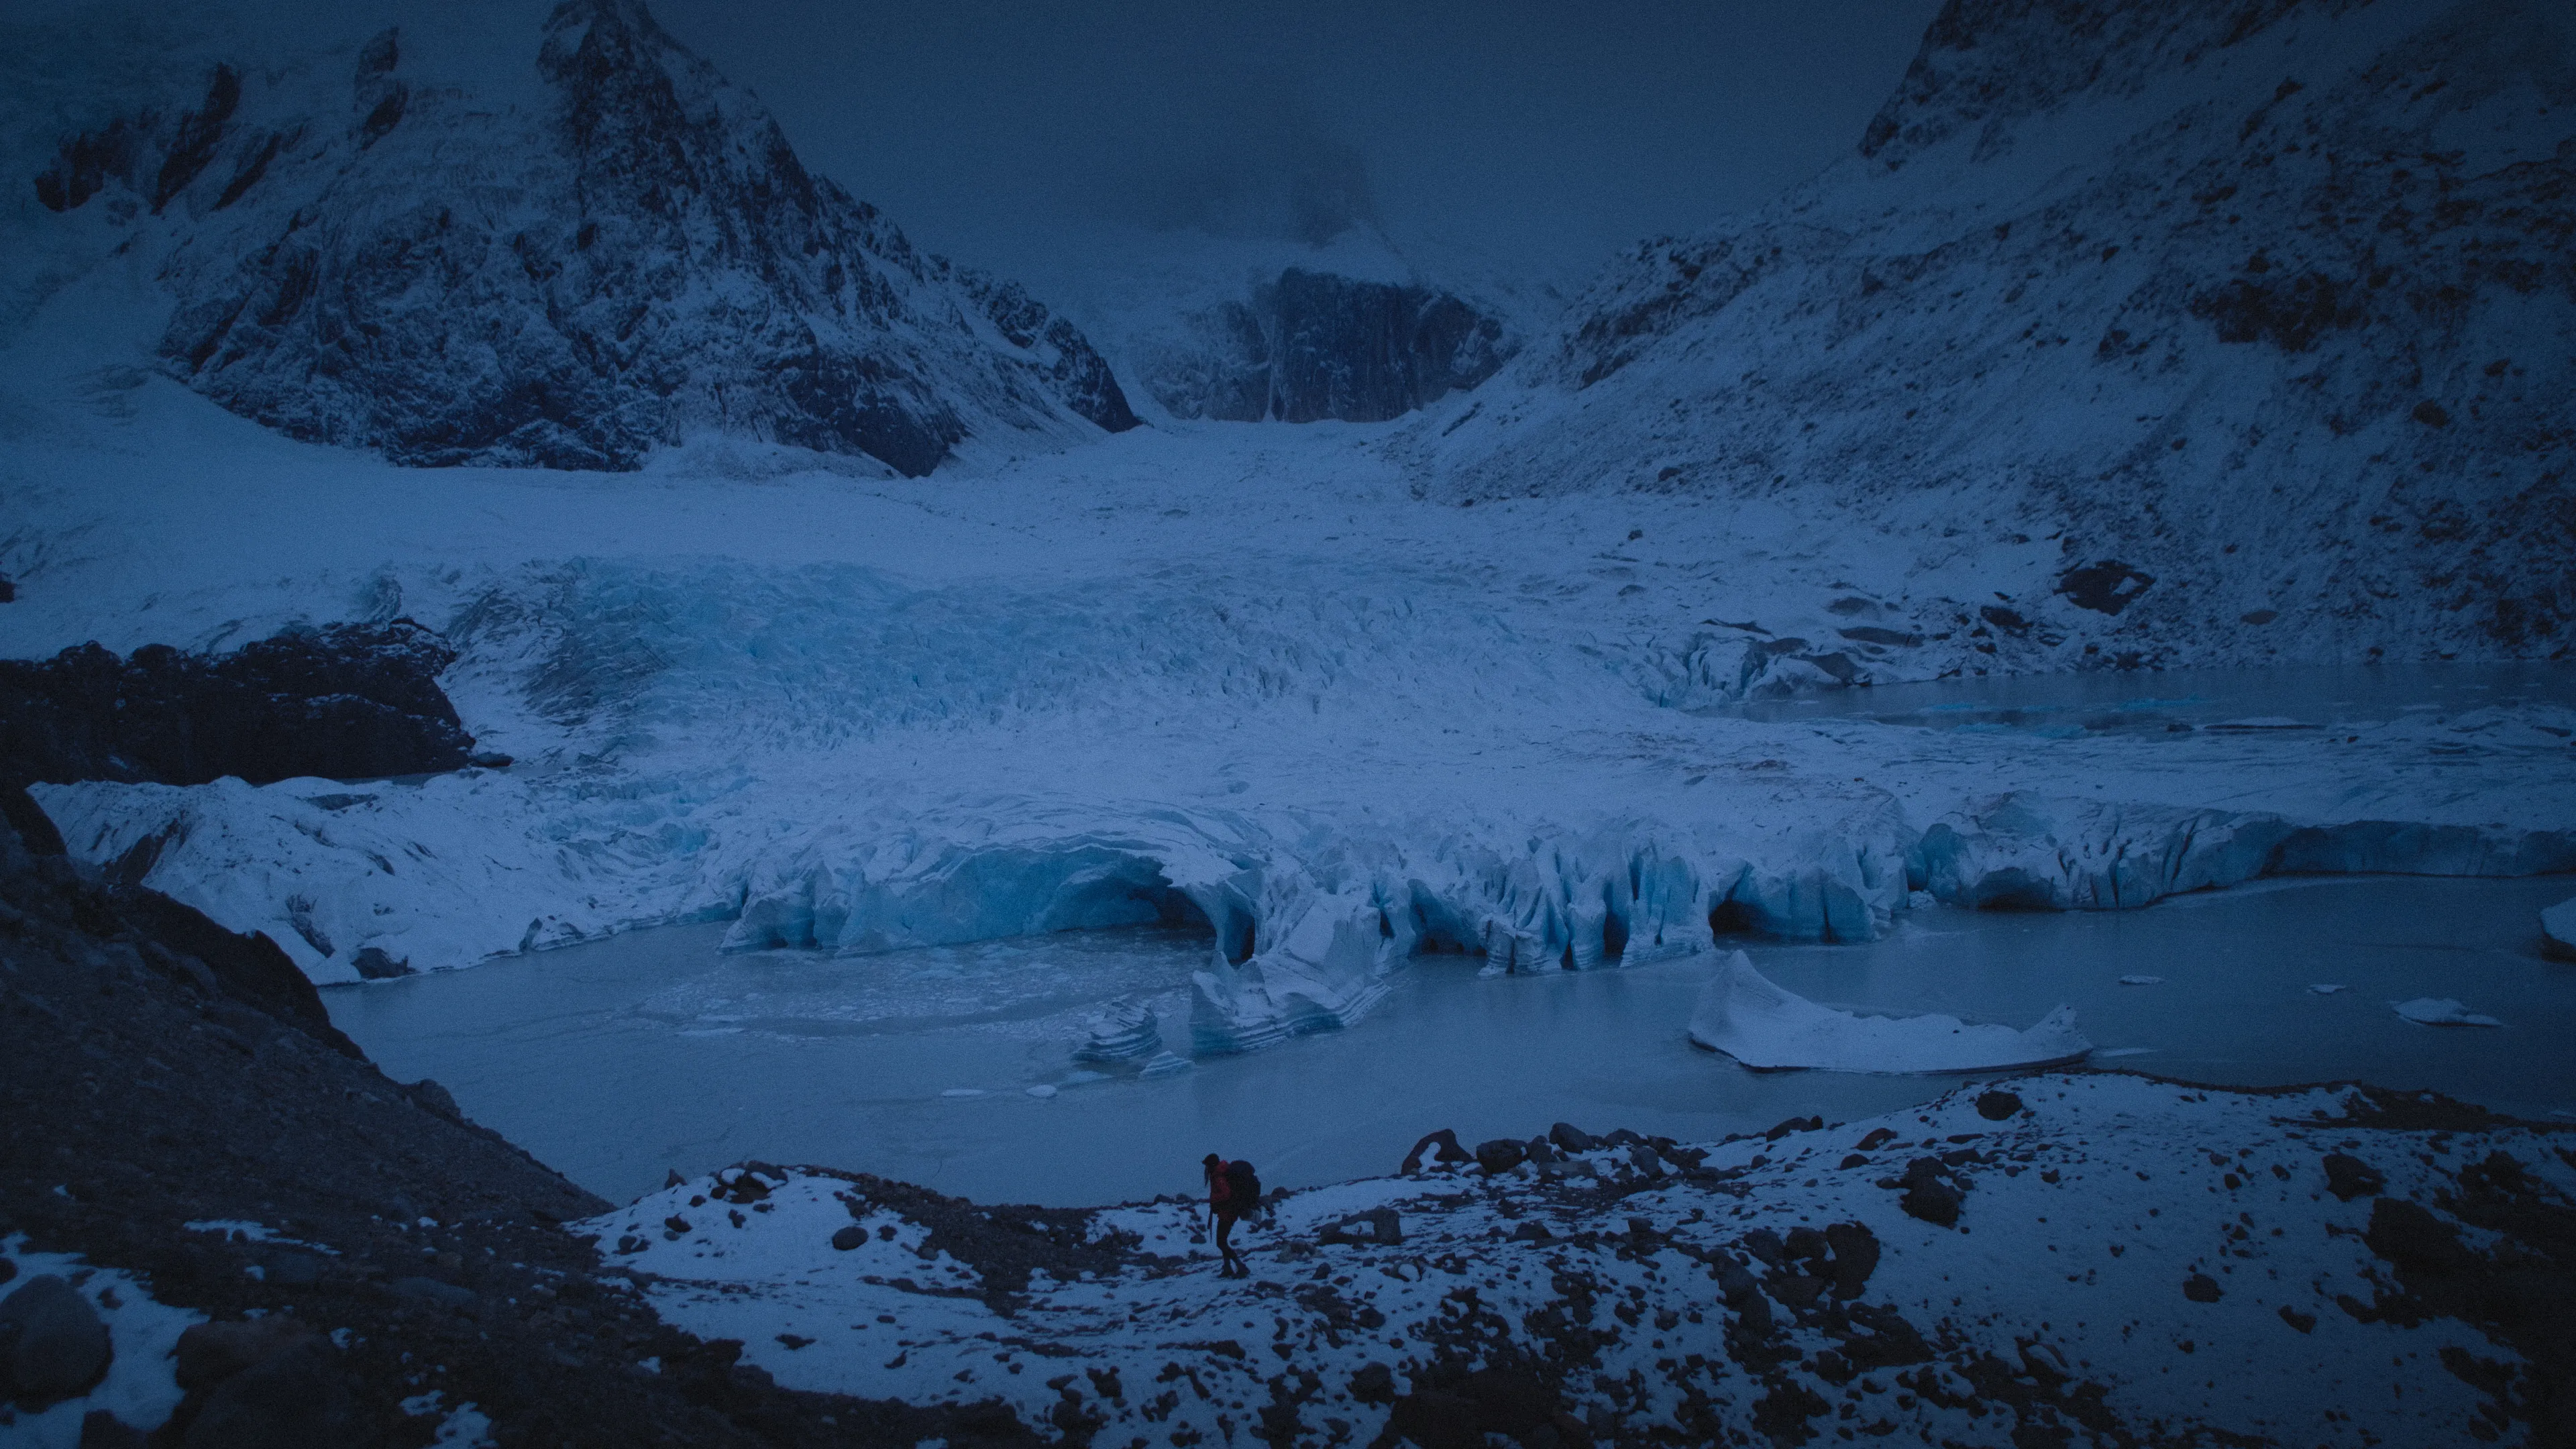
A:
(1225, 1249)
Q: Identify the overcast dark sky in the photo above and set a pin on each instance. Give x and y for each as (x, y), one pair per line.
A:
(1543, 134)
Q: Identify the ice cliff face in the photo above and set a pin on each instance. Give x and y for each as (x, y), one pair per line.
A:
(632, 257)
(2261, 317)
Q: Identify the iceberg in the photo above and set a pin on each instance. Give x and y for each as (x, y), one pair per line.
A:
(1768, 1029)
(2441, 1011)
(1124, 1030)
(2558, 928)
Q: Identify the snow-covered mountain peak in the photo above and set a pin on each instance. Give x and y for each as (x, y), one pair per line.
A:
(1986, 67)
(569, 273)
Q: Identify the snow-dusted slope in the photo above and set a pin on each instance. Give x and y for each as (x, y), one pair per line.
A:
(2073, 1260)
(567, 274)
(2168, 332)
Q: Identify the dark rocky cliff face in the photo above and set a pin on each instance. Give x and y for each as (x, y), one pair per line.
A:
(638, 257)
(349, 701)
(1313, 345)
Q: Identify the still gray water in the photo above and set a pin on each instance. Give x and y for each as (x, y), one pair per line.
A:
(620, 1060)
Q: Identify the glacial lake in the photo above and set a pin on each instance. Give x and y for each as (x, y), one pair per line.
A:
(619, 1060)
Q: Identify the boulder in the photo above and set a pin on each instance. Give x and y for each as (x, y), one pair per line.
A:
(1379, 1227)
(2350, 1177)
(1570, 1138)
(1855, 1257)
(297, 1396)
(2406, 1234)
(51, 1341)
(1446, 1140)
(1500, 1155)
(210, 1353)
(1927, 1195)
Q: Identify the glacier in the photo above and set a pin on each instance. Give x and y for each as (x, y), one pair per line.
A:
(1344, 694)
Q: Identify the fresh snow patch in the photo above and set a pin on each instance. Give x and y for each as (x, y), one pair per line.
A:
(1767, 1028)
(2441, 1011)
(142, 1335)
(254, 1232)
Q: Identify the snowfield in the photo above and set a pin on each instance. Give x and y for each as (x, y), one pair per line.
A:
(2095, 1252)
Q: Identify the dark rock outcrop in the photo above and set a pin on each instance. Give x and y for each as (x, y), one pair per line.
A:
(1313, 345)
(224, 1109)
(52, 1344)
(242, 981)
(347, 701)
(348, 270)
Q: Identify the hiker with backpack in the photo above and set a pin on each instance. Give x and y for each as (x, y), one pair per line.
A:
(1234, 1191)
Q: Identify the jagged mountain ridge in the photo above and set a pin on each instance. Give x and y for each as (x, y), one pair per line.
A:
(2212, 332)
(636, 258)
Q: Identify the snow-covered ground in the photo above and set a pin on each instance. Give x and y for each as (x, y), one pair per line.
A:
(2097, 1250)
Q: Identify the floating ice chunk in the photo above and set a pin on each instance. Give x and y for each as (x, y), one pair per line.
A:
(1768, 1029)
(1321, 970)
(2441, 1011)
(963, 1092)
(2328, 989)
(1165, 1063)
(2558, 928)
(1041, 1091)
(1119, 1032)
(2142, 981)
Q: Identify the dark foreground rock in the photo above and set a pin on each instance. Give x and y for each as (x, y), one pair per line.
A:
(152, 1076)
(348, 701)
